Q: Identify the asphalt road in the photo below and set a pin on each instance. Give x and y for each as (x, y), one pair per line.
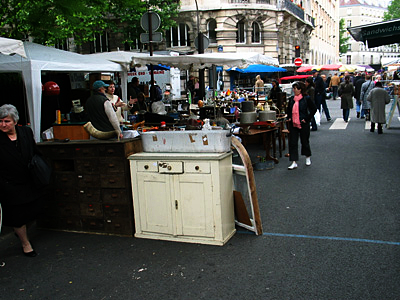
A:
(331, 231)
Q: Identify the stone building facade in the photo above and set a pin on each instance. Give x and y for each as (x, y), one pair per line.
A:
(356, 13)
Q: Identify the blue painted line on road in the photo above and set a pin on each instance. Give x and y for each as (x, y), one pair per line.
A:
(332, 238)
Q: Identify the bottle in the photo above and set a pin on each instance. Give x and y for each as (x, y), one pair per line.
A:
(163, 125)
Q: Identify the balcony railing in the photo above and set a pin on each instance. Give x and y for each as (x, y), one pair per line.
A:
(293, 8)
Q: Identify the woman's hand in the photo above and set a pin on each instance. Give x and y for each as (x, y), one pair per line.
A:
(119, 103)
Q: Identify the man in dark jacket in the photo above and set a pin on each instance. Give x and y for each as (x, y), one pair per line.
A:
(320, 94)
(100, 111)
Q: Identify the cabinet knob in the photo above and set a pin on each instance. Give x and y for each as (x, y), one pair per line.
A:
(169, 168)
(197, 168)
(146, 167)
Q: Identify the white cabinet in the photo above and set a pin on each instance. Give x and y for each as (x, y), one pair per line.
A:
(186, 197)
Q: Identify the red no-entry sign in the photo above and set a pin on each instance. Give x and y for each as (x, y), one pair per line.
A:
(298, 62)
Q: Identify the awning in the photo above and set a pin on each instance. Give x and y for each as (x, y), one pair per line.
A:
(258, 69)
(330, 67)
(377, 34)
(296, 77)
(304, 69)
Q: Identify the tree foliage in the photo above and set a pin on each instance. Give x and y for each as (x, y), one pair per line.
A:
(343, 39)
(52, 20)
(393, 11)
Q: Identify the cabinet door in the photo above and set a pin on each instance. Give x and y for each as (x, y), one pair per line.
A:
(155, 204)
(194, 209)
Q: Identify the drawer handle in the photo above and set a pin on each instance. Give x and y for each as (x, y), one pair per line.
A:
(114, 195)
(66, 194)
(111, 181)
(197, 168)
(115, 210)
(110, 151)
(80, 176)
(146, 167)
(64, 179)
(169, 168)
(82, 192)
(111, 165)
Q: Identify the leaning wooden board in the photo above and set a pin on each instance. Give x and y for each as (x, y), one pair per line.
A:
(247, 168)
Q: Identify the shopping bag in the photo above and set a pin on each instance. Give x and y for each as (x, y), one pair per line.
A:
(317, 117)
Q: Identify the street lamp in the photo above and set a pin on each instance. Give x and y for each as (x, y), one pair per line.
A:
(200, 42)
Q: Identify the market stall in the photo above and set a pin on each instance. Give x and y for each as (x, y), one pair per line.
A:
(40, 58)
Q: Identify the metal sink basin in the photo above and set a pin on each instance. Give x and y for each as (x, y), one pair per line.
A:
(210, 141)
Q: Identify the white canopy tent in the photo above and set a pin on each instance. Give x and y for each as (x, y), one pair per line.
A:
(11, 47)
(41, 58)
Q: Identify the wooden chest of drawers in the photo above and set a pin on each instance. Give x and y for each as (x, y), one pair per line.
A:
(91, 186)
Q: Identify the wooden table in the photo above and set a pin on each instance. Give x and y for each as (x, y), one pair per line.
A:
(268, 138)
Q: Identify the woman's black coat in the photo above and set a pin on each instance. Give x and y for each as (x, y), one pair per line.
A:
(307, 108)
(16, 186)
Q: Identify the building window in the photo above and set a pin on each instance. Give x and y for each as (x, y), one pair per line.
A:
(348, 47)
(349, 11)
(212, 34)
(100, 44)
(240, 34)
(348, 23)
(256, 33)
(372, 60)
(178, 36)
(348, 59)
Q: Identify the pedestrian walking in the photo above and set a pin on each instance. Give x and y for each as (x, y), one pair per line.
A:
(367, 86)
(21, 199)
(334, 85)
(357, 95)
(346, 93)
(310, 90)
(378, 97)
(300, 111)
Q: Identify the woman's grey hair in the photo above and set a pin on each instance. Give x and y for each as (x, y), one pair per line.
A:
(9, 110)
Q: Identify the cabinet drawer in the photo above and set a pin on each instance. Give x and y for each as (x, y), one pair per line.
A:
(91, 210)
(112, 165)
(66, 194)
(115, 196)
(147, 166)
(197, 167)
(112, 150)
(170, 167)
(65, 180)
(87, 165)
(116, 211)
(112, 181)
(88, 180)
(89, 195)
(87, 151)
(68, 208)
(60, 152)
(119, 226)
(70, 223)
(91, 224)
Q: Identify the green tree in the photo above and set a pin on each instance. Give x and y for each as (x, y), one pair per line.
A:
(52, 20)
(393, 11)
(343, 39)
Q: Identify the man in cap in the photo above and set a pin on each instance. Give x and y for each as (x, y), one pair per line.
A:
(100, 111)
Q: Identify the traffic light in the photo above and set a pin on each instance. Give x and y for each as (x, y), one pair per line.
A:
(297, 51)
